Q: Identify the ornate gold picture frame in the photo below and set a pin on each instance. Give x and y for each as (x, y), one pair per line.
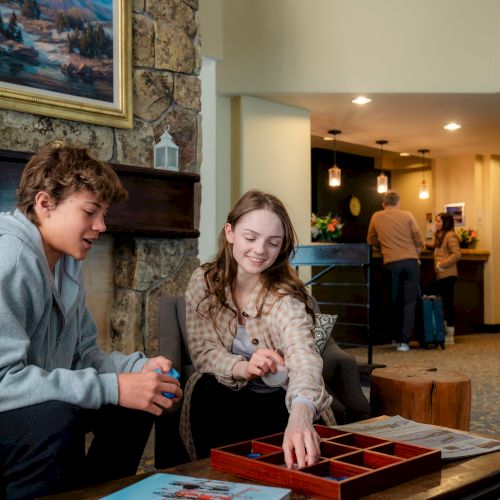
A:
(73, 64)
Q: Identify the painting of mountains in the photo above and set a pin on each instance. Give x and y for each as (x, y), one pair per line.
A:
(61, 46)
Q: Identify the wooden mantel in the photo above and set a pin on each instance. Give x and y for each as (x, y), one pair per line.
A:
(160, 202)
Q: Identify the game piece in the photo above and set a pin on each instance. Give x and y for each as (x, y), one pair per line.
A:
(276, 379)
(351, 465)
(172, 373)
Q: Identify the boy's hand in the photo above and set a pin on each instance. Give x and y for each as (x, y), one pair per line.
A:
(164, 364)
(143, 391)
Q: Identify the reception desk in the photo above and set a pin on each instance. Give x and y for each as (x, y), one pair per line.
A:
(469, 292)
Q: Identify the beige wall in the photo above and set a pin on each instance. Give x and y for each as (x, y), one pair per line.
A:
(406, 184)
(211, 28)
(358, 46)
(455, 181)
(275, 156)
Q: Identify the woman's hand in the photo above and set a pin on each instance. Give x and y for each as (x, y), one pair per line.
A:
(301, 441)
(262, 361)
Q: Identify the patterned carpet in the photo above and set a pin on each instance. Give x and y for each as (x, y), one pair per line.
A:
(477, 356)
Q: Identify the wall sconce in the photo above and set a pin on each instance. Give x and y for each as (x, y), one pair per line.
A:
(166, 153)
(334, 172)
(423, 190)
(382, 179)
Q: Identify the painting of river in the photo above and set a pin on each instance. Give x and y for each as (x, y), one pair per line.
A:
(61, 46)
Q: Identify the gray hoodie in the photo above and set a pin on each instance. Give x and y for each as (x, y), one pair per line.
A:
(48, 348)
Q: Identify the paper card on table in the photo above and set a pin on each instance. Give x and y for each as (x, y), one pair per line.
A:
(174, 486)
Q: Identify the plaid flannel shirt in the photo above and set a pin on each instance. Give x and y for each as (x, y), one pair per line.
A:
(283, 324)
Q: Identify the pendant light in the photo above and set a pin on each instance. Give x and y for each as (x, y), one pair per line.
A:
(334, 172)
(423, 191)
(382, 180)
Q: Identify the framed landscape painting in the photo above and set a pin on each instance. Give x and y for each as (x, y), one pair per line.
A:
(69, 59)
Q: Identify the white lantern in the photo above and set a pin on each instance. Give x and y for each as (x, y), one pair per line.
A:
(166, 153)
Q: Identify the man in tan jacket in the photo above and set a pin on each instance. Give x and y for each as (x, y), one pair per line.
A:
(397, 234)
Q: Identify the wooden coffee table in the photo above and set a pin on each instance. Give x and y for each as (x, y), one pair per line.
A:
(475, 477)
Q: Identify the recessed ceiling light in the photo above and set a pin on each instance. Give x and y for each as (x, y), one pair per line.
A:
(328, 138)
(404, 154)
(361, 100)
(452, 126)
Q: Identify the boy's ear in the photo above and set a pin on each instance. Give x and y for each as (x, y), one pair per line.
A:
(44, 204)
(229, 232)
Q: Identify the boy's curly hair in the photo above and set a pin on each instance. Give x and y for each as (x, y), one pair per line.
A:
(61, 170)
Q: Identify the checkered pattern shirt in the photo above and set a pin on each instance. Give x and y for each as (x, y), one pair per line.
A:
(282, 324)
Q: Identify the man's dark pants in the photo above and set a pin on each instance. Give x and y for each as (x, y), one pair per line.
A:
(402, 285)
(42, 447)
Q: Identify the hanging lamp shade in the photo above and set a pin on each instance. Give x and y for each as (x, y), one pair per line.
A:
(334, 176)
(334, 173)
(423, 190)
(382, 179)
(382, 183)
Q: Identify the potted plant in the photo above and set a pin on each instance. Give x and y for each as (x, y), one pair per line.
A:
(467, 238)
(326, 228)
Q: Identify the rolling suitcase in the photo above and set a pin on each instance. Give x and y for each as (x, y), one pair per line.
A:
(433, 333)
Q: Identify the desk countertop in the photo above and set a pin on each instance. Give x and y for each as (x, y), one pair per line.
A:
(467, 254)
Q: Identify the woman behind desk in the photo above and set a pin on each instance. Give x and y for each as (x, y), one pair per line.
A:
(446, 255)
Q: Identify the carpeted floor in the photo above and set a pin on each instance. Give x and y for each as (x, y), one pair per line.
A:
(477, 356)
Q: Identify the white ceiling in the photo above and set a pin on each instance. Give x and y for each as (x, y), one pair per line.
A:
(408, 121)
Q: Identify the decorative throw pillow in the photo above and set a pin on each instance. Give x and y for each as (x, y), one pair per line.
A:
(323, 330)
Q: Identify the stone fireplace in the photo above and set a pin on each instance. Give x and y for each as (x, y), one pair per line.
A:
(125, 275)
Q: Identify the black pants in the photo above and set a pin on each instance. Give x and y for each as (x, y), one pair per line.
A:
(220, 415)
(446, 289)
(403, 282)
(42, 447)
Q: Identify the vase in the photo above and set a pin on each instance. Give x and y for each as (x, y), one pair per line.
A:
(326, 237)
(463, 244)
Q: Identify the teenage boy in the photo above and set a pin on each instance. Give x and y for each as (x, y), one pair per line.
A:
(56, 384)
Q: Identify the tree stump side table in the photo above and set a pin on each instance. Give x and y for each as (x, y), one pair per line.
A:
(424, 394)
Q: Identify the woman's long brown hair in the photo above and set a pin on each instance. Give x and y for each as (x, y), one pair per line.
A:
(448, 225)
(278, 279)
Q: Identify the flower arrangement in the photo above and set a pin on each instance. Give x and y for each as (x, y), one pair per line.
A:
(326, 228)
(467, 238)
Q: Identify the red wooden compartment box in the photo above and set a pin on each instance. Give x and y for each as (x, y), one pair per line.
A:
(351, 464)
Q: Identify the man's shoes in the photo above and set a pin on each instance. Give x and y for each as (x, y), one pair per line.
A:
(403, 347)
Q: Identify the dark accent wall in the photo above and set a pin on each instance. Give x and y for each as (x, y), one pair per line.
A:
(359, 178)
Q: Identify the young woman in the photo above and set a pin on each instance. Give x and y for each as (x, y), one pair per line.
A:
(249, 323)
(446, 255)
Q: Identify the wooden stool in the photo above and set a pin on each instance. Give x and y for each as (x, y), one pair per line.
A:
(424, 394)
